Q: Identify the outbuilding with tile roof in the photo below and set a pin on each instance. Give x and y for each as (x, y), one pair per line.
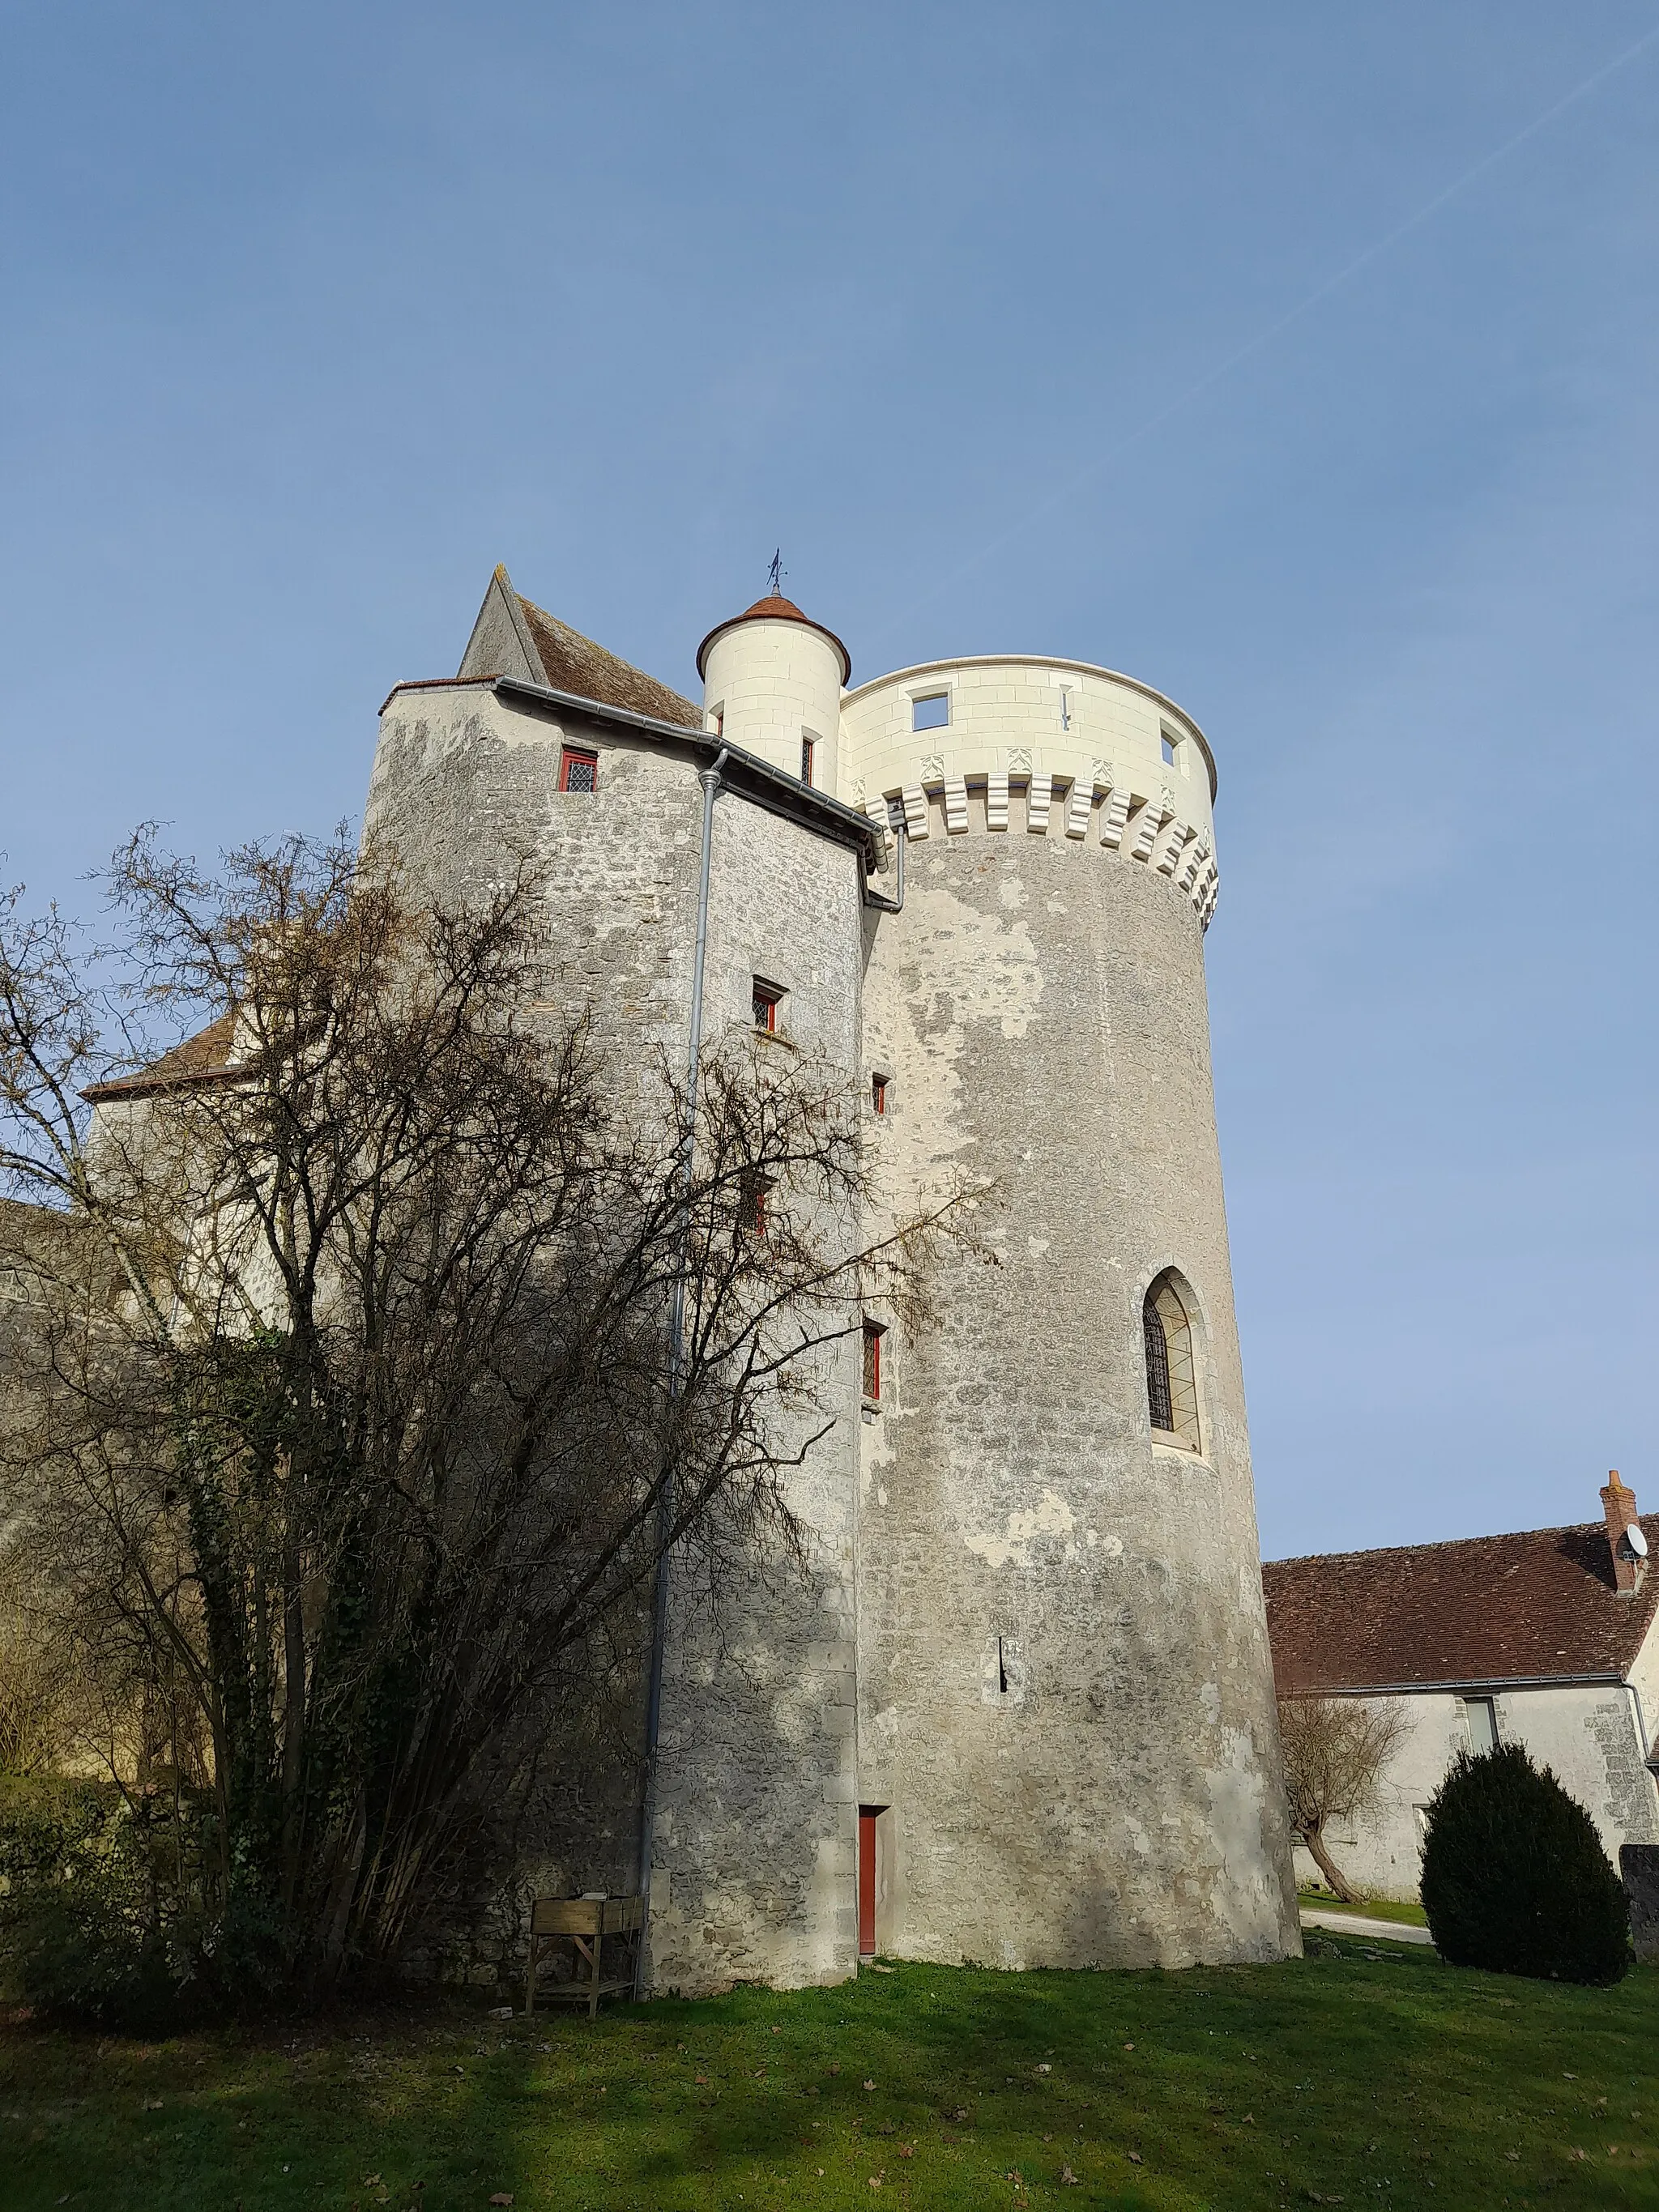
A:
(1544, 1637)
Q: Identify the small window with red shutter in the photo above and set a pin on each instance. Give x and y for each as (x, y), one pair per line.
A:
(754, 1191)
(578, 770)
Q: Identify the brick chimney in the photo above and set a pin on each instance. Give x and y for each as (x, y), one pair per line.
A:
(1619, 1503)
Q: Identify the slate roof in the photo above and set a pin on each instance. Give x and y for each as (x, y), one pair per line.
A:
(571, 662)
(1488, 1609)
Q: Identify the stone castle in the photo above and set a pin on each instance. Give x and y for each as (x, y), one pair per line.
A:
(1025, 1714)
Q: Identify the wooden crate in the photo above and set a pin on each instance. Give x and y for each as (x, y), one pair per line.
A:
(584, 1923)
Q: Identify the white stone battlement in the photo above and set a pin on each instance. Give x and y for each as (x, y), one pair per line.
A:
(1090, 810)
(1019, 745)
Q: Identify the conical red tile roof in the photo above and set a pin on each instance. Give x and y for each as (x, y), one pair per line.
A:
(775, 608)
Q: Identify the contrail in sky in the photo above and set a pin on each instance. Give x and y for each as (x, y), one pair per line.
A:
(1263, 337)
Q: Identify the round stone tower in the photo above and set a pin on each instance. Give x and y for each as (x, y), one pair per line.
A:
(772, 683)
(1067, 1749)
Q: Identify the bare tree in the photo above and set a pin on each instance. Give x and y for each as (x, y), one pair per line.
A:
(350, 1435)
(1336, 1751)
(39, 1720)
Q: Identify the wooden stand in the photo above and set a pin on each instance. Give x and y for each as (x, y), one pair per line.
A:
(584, 1922)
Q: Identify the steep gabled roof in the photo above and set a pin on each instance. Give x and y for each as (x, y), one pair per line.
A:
(571, 662)
(1488, 1609)
(204, 1057)
(513, 636)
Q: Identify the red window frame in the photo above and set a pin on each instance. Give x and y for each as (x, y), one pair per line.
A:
(874, 1332)
(578, 756)
(808, 747)
(767, 999)
(756, 1190)
(878, 1094)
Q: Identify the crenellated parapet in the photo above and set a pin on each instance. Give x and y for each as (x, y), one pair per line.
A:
(1102, 809)
(1020, 746)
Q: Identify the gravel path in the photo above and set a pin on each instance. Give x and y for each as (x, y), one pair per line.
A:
(1350, 1923)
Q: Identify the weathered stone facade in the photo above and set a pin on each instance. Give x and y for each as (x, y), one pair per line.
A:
(1033, 1649)
(1043, 1004)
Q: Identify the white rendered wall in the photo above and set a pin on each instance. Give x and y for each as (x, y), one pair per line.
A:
(1586, 1735)
(767, 683)
(1644, 1679)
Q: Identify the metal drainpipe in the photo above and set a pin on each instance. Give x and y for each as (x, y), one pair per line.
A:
(1637, 1715)
(710, 781)
(879, 899)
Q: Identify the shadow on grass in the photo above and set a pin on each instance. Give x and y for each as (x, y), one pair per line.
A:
(410, 2108)
(1306, 2081)
(1348, 2076)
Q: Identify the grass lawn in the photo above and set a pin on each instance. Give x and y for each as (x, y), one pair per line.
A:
(1365, 2076)
(1408, 1911)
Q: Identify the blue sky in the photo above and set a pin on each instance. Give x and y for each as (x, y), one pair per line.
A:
(311, 314)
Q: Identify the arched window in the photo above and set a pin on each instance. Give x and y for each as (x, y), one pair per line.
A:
(1171, 1374)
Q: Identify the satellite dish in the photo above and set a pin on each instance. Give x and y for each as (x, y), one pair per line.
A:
(1636, 1541)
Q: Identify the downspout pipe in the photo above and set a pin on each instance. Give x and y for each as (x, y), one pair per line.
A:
(879, 900)
(710, 781)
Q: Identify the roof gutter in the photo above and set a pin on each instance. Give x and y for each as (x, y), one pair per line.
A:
(140, 1085)
(745, 773)
(1477, 1684)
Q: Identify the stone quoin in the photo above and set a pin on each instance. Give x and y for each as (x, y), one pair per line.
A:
(1024, 1714)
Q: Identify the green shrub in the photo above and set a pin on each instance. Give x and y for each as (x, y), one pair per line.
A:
(1515, 1878)
(107, 1905)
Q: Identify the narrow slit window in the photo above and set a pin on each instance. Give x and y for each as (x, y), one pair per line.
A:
(1002, 1674)
(1168, 744)
(766, 999)
(808, 748)
(1171, 1370)
(874, 1332)
(1065, 707)
(878, 1094)
(931, 712)
(578, 770)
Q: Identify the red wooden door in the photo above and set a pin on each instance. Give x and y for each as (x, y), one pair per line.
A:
(866, 1884)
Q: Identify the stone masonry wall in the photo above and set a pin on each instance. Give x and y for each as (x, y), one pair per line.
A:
(1066, 1693)
(464, 783)
(755, 1873)
(754, 1865)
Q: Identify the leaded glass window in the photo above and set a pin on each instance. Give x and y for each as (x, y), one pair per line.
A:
(1171, 1366)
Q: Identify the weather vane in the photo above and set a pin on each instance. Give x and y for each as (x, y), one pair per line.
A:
(775, 574)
